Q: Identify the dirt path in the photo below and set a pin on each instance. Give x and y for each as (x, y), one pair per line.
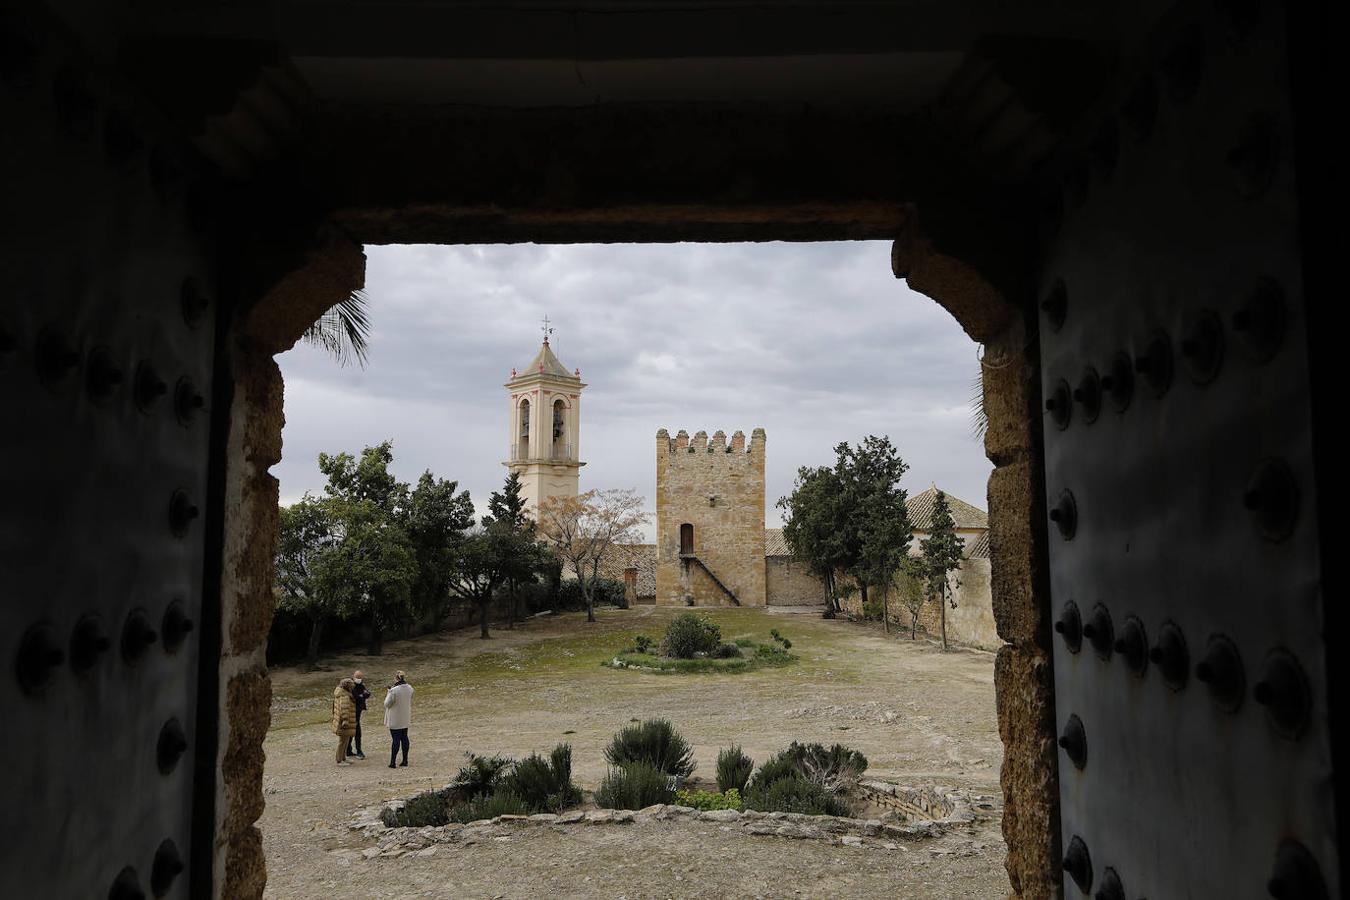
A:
(920, 716)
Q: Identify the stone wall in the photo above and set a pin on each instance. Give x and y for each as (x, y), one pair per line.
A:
(789, 582)
(718, 488)
(971, 623)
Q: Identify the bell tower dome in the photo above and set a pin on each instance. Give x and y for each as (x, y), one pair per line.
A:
(545, 426)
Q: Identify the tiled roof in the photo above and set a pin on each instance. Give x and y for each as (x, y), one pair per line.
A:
(774, 544)
(632, 556)
(545, 363)
(963, 514)
(978, 546)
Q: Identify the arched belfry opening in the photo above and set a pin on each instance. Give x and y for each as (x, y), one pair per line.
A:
(562, 448)
(521, 448)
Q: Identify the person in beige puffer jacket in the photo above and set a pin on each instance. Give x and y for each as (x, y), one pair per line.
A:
(344, 718)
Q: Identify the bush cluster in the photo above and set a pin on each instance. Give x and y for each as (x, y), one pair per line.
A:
(706, 800)
(654, 743)
(727, 651)
(643, 644)
(806, 778)
(689, 634)
(634, 785)
(648, 762)
(489, 786)
(733, 769)
(545, 785)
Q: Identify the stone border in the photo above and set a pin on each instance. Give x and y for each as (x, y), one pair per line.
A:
(372, 821)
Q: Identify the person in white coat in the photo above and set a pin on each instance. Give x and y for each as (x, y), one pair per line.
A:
(398, 716)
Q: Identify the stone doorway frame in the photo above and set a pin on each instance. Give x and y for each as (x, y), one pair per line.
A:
(327, 265)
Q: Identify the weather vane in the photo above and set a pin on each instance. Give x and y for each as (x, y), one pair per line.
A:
(547, 329)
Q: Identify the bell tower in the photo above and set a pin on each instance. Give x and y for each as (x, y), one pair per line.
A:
(545, 426)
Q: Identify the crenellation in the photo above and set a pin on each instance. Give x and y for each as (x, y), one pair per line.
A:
(718, 489)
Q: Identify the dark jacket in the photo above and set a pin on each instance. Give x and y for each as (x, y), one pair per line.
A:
(359, 695)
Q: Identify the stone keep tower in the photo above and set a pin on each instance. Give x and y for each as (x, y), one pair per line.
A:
(710, 519)
(545, 427)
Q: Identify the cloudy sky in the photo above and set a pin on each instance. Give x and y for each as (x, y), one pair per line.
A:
(815, 343)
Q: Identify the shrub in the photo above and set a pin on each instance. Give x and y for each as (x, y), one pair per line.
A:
(689, 634)
(775, 768)
(706, 800)
(727, 651)
(427, 808)
(787, 645)
(796, 794)
(655, 743)
(502, 803)
(836, 768)
(480, 776)
(744, 642)
(642, 643)
(635, 785)
(873, 610)
(544, 785)
(770, 651)
(733, 769)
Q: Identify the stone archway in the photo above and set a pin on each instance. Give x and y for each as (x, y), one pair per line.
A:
(333, 265)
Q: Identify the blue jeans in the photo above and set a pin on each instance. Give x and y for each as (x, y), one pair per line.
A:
(400, 738)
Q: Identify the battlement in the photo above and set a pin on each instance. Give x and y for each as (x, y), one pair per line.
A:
(700, 443)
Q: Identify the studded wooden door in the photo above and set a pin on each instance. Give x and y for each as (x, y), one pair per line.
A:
(1190, 665)
(107, 326)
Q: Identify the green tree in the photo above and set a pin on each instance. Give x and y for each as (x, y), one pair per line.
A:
(434, 517)
(942, 554)
(304, 535)
(814, 525)
(367, 506)
(368, 573)
(851, 518)
(525, 556)
(480, 560)
(367, 478)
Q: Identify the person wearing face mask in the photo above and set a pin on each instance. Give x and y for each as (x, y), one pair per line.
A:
(360, 693)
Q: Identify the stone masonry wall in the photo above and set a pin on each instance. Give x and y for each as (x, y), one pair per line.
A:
(971, 623)
(719, 489)
(788, 582)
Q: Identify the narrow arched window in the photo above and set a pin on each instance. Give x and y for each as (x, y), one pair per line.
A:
(686, 539)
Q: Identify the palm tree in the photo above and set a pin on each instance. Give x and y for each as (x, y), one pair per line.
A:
(343, 331)
(979, 418)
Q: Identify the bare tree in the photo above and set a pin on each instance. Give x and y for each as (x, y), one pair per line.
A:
(584, 529)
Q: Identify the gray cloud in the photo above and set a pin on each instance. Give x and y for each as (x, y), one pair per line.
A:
(815, 343)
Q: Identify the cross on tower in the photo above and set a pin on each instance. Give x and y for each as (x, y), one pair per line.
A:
(547, 329)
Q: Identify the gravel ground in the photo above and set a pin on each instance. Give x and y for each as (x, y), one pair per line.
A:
(923, 717)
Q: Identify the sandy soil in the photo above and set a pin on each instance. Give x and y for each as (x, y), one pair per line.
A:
(922, 717)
